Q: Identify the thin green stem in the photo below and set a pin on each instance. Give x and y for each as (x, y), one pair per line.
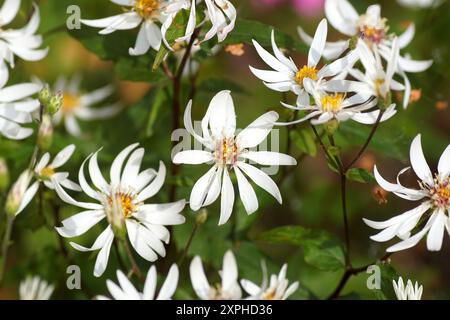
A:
(5, 246)
(134, 266)
(188, 244)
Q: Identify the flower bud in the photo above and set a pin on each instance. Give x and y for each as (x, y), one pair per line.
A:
(201, 217)
(44, 95)
(331, 126)
(55, 103)
(16, 193)
(4, 175)
(353, 42)
(45, 134)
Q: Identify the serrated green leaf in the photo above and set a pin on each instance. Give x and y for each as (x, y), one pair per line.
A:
(305, 141)
(360, 175)
(321, 249)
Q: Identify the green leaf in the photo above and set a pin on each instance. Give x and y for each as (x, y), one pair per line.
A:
(321, 249)
(114, 47)
(387, 275)
(176, 30)
(159, 97)
(360, 175)
(305, 141)
(247, 30)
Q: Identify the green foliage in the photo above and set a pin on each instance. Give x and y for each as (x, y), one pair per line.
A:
(360, 175)
(388, 275)
(321, 249)
(305, 141)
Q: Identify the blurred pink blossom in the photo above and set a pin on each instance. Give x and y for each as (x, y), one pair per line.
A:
(308, 8)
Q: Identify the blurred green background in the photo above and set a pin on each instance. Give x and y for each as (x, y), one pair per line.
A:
(310, 192)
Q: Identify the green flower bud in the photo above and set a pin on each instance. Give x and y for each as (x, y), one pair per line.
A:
(331, 126)
(201, 217)
(4, 175)
(55, 103)
(45, 95)
(45, 134)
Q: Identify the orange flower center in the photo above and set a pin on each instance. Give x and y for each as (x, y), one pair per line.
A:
(226, 152)
(332, 103)
(70, 102)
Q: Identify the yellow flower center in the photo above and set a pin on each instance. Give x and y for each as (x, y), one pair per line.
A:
(47, 172)
(269, 295)
(70, 102)
(440, 193)
(226, 152)
(378, 84)
(125, 203)
(372, 34)
(305, 72)
(146, 8)
(332, 103)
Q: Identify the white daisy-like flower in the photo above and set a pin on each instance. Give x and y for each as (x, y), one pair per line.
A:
(126, 291)
(277, 289)
(222, 15)
(228, 289)
(408, 292)
(379, 81)
(23, 42)
(286, 76)
(374, 31)
(122, 202)
(420, 4)
(431, 216)
(154, 18)
(44, 172)
(337, 106)
(16, 108)
(228, 151)
(78, 105)
(34, 288)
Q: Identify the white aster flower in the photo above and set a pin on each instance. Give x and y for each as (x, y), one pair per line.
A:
(431, 216)
(122, 202)
(222, 15)
(374, 31)
(16, 108)
(379, 81)
(147, 14)
(45, 170)
(277, 289)
(286, 76)
(228, 289)
(410, 292)
(34, 288)
(228, 151)
(420, 4)
(337, 106)
(78, 105)
(23, 42)
(126, 291)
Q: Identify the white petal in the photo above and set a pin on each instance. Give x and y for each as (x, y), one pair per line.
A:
(201, 189)
(198, 279)
(444, 163)
(170, 285)
(131, 170)
(96, 175)
(227, 198)
(155, 186)
(63, 156)
(318, 44)
(116, 167)
(418, 161)
(150, 284)
(246, 192)
(80, 223)
(436, 233)
(102, 259)
(229, 271)
(342, 16)
(268, 158)
(137, 235)
(27, 197)
(257, 131)
(222, 116)
(261, 179)
(192, 157)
